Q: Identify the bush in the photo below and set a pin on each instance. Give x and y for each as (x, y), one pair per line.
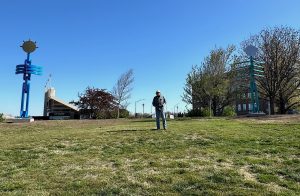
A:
(124, 113)
(1, 117)
(105, 115)
(180, 115)
(194, 113)
(229, 111)
(112, 114)
(206, 112)
(140, 115)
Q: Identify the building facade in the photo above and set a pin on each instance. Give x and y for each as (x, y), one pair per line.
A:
(56, 109)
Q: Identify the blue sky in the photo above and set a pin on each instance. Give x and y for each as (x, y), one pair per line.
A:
(91, 42)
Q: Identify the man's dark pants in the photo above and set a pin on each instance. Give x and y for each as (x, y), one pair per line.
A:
(160, 114)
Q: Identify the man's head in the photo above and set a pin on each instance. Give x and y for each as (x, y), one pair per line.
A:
(158, 93)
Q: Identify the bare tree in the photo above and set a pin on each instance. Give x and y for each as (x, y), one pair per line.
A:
(279, 51)
(122, 90)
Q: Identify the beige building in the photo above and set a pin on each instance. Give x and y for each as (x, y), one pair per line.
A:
(57, 109)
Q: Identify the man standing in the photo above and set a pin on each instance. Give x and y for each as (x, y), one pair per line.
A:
(158, 102)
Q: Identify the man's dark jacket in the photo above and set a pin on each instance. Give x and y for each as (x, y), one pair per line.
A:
(158, 102)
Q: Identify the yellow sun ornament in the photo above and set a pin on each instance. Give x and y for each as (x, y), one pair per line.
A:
(29, 46)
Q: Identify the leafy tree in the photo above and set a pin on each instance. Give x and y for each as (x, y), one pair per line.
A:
(122, 90)
(209, 85)
(279, 50)
(96, 103)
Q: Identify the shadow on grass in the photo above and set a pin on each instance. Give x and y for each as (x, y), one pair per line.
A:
(131, 130)
(143, 120)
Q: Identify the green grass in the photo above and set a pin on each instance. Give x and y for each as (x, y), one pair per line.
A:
(127, 157)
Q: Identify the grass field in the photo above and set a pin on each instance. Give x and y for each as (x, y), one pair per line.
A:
(200, 156)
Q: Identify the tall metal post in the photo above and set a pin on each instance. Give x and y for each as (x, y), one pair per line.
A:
(25, 88)
(253, 88)
(135, 114)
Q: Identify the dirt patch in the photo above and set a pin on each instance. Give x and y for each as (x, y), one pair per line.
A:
(244, 171)
(271, 119)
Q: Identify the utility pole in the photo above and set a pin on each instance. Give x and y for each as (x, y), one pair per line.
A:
(135, 114)
(175, 107)
(143, 108)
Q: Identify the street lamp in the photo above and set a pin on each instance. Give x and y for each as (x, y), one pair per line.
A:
(135, 105)
(175, 107)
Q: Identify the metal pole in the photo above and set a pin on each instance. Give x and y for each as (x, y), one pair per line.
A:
(175, 108)
(143, 109)
(22, 100)
(135, 105)
(134, 109)
(269, 107)
(25, 89)
(209, 106)
(27, 101)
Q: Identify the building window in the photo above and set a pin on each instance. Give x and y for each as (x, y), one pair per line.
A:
(239, 107)
(244, 107)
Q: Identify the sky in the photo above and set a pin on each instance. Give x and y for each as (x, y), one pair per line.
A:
(92, 42)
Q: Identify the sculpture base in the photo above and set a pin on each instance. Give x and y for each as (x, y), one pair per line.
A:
(19, 120)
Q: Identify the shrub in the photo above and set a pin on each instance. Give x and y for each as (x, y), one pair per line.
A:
(1, 117)
(180, 115)
(112, 114)
(206, 112)
(105, 115)
(124, 113)
(194, 113)
(229, 111)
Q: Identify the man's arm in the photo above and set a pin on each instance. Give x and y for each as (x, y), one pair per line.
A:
(153, 102)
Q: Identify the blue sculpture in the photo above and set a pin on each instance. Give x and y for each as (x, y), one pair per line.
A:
(27, 69)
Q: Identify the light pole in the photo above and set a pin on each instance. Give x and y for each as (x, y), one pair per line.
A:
(143, 108)
(175, 107)
(135, 105)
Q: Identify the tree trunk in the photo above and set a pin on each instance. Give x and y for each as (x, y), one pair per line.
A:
(282, 108)
(214, 107)
(272, 105)
(118, 112)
